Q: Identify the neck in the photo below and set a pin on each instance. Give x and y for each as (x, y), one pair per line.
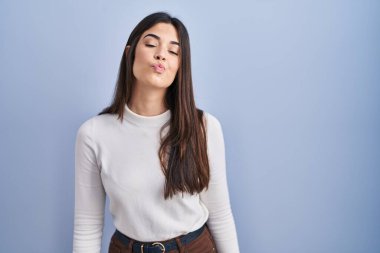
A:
(147, 102)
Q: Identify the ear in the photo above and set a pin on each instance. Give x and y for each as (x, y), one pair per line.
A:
(127, 49)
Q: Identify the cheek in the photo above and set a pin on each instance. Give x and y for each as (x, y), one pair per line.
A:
(173, 72)
(140, 62)
(140, 56)
(174, 66)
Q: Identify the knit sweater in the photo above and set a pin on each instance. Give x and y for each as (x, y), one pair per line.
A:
(120, 160)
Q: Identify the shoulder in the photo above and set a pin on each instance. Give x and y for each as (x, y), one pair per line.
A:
(92, 125)
(214, 136)
(214, 131)
(212, 122)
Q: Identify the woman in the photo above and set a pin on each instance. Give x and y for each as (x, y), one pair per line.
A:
(159, 159)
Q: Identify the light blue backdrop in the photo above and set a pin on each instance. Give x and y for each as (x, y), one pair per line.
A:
(294, 83)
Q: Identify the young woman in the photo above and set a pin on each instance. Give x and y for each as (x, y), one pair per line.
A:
(159, 159)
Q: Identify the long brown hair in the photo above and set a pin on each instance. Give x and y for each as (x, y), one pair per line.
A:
(183, 151)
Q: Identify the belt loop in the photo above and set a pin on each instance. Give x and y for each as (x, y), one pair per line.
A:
(131, 241)
(180, 246)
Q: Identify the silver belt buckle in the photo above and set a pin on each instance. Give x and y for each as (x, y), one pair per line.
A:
(154, 244)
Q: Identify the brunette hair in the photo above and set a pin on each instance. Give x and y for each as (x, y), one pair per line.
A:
(183, 151)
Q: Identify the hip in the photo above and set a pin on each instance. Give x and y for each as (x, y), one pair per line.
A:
(198, 241)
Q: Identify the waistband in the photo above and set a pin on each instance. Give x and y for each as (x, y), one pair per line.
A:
(160, 246)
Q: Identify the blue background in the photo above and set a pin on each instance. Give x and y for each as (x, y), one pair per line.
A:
(295, 85)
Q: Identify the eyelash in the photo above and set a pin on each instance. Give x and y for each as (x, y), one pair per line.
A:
(149, 45)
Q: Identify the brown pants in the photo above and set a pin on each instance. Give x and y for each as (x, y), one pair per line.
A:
(204, 243)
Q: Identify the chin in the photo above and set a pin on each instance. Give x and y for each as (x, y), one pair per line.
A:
(159, 85)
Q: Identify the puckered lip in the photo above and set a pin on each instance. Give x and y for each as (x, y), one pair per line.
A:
(158, 65)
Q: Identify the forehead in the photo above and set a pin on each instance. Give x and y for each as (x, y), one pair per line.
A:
(164, 31)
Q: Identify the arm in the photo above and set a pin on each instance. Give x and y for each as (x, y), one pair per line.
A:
(89, 194)
(216, 198)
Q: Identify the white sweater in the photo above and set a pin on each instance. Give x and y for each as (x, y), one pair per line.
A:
(121, 160)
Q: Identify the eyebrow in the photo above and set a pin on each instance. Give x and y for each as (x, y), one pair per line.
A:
(158, 37)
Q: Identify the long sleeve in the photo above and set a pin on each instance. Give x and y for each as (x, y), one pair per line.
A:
(89, 194)
(221, 222)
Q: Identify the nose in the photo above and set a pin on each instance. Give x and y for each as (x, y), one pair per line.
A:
(160, 55)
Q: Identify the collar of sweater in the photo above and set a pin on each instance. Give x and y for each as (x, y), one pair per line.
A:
(151, 121)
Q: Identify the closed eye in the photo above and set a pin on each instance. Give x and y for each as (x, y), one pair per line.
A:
(149, 45)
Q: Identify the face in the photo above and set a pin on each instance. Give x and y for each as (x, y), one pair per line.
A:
(157, 56)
